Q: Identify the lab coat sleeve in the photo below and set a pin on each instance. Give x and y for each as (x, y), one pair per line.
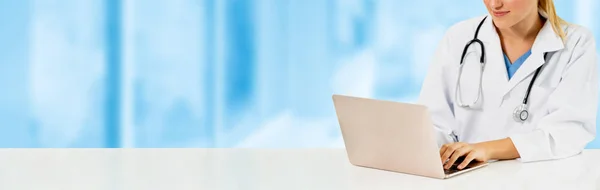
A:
(436, 93)
(571, 122)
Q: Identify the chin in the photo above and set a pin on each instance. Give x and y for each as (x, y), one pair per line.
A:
(502, 23)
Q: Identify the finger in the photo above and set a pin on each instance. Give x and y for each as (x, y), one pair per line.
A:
(470, 157)
(457, 154)
(450, 150)
(443, 149)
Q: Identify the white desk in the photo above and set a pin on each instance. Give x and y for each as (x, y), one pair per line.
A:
(207, 169)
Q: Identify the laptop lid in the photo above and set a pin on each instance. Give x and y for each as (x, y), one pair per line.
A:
(388, 135)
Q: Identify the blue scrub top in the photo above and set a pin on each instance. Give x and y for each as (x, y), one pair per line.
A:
(512, 68)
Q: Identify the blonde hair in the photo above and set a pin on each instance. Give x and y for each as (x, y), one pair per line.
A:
(547, 7)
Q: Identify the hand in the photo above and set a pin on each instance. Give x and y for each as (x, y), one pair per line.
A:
(454, 151)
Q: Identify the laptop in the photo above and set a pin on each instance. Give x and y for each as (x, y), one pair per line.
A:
(392, 136)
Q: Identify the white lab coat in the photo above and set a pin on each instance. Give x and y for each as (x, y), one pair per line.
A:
(562, 104)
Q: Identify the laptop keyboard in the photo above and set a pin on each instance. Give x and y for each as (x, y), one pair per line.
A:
(454, 167)
(452, 170)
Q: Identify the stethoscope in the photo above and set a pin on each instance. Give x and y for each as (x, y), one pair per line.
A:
(520, 113)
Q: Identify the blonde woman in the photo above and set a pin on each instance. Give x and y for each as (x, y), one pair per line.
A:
(517, 83)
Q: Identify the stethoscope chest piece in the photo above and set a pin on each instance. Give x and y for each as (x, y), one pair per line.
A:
(521, 114)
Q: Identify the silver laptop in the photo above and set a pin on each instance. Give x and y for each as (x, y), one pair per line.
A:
(392, 136)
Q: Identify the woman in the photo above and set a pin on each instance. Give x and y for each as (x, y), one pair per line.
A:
(527, 86)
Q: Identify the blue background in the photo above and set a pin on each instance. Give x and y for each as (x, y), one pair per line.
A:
(213, 73)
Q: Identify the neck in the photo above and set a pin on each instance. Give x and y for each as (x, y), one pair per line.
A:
(526, 30)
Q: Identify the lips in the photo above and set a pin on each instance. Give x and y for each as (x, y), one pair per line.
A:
(500, 13)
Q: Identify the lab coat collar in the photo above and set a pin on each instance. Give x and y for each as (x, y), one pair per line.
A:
(495, 72)
(546, 41)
